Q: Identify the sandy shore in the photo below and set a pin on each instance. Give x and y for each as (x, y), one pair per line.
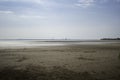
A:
(73, 62)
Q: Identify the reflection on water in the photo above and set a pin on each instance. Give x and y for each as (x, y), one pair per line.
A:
(35, 43)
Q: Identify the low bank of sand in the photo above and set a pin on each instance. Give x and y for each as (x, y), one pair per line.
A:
(70, 62)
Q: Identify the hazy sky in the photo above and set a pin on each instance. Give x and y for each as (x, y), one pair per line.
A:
(74, 19)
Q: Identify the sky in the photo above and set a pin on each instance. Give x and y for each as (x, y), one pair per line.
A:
(59, 19)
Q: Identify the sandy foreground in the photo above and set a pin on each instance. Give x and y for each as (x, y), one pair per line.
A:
(70, 62)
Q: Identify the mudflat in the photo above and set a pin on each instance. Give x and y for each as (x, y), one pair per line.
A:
(67, 62)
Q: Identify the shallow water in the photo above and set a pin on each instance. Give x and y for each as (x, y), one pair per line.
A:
(36, 43)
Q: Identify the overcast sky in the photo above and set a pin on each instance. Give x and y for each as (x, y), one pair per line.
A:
(57, 19)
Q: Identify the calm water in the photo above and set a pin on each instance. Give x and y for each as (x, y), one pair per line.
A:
(35, 43)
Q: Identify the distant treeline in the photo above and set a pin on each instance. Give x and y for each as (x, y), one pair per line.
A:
(110, 39)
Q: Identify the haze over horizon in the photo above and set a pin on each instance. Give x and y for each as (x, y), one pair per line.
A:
(59, 19)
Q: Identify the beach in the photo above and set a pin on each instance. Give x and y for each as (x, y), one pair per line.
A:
(61, 61)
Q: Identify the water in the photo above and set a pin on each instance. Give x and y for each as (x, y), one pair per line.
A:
(36, 43)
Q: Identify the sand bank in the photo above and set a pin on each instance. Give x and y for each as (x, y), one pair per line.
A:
(70, 62)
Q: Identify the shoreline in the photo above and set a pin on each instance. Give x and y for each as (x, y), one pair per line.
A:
(93, 61)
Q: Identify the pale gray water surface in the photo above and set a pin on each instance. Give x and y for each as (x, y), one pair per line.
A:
(36, 43)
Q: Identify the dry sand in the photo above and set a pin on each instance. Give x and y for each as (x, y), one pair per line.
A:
(71, 62)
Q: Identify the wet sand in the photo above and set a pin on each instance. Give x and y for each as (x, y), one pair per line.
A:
(70, 62)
